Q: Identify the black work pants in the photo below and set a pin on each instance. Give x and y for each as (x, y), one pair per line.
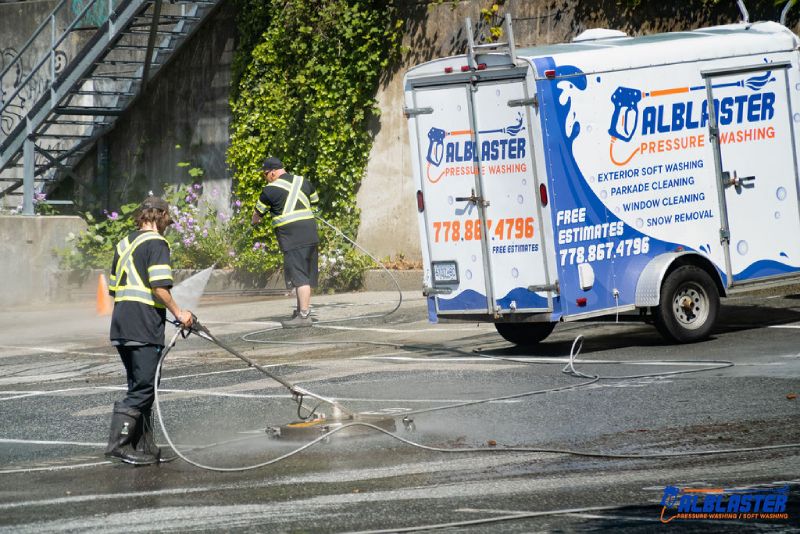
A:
(140, 366)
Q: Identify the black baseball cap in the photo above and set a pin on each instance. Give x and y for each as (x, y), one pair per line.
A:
(272, 164)
(156, 203)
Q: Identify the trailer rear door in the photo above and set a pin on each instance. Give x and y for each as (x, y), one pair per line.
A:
(446, 140)
(753, 139)
(482, 213)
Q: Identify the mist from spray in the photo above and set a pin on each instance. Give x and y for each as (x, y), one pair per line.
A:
(187, 294)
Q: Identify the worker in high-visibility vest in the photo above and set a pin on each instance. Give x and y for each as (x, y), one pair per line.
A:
(289, 198)
(140, 282)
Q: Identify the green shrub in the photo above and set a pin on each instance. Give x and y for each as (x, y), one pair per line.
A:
(201, 236)
(307, 95)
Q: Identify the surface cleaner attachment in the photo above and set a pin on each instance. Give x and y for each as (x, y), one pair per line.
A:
(321, 424)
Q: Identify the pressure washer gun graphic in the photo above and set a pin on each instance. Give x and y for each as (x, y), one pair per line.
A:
(435, 146)
(626, 113)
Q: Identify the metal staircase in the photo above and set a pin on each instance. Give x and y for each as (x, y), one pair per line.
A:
(53, 109)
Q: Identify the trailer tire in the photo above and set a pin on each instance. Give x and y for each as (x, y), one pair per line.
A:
(524, 333)
(688, 307)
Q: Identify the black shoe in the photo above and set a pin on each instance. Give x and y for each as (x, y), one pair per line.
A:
(124, 428)
(129, 455)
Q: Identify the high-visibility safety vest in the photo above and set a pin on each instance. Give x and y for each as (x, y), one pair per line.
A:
(290, 212)
(134, 289)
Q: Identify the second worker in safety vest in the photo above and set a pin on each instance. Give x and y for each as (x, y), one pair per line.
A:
(289, 198)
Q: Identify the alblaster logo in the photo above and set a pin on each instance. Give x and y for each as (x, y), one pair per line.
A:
(458, 152)
(724, 504)
(687, 115)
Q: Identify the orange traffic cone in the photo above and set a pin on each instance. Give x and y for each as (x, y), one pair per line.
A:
(104, 304)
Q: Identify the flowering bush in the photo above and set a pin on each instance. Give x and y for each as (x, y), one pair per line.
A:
(93, 248)
(202, 236)
(199, 237)
(341, 266)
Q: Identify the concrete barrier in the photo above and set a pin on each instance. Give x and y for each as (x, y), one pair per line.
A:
(28, 261)
(29, 272)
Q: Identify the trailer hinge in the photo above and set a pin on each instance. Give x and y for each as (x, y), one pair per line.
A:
(412, 112)
(544, 287)
(428, 291)
(522, 102)
(724, 236)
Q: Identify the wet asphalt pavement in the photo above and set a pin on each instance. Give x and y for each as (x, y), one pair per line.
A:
(59, 379)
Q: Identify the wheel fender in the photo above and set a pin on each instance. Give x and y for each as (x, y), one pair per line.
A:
(648, 287)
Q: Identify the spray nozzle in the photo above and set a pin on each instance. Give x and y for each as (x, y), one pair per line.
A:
(626, 113)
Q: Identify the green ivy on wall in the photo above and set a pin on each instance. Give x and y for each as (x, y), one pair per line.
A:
(307, 74)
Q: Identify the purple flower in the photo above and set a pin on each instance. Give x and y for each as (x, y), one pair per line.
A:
(39, 197)
(205, 232)
(196, 186)
(257, 245)
(113, 216)
(188, 198)
(238, 203)
(231, 254)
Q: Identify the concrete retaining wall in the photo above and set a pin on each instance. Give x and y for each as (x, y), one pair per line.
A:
(183, 116)
(28, 261)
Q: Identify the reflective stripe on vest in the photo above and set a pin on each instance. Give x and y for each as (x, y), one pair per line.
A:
(134, 288)
(290, 214)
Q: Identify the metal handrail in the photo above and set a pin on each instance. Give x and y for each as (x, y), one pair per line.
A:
(49, 53)
(33, 37)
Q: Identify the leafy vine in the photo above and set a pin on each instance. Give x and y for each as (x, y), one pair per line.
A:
(306, 93)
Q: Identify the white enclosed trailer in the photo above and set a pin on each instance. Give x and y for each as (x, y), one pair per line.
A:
(608, 175)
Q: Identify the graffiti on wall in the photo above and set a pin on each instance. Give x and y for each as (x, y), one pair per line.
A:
(95, 16)
(14, 109)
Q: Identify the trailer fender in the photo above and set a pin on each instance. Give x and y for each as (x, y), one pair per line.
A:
(648, 288)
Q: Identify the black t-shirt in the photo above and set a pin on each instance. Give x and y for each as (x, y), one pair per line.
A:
(136, 321)
(296, 234)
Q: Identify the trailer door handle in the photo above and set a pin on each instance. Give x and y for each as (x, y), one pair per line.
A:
(736, 181)
(474, 199)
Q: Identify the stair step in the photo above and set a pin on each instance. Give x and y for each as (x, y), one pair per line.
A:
(111, 112)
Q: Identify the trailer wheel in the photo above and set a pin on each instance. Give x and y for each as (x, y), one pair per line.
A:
(689, 305)
(524, 333)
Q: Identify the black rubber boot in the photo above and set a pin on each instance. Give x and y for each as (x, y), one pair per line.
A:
(145, 438)
(124, 427)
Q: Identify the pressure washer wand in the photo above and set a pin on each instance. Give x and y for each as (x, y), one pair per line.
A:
(203, 332)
